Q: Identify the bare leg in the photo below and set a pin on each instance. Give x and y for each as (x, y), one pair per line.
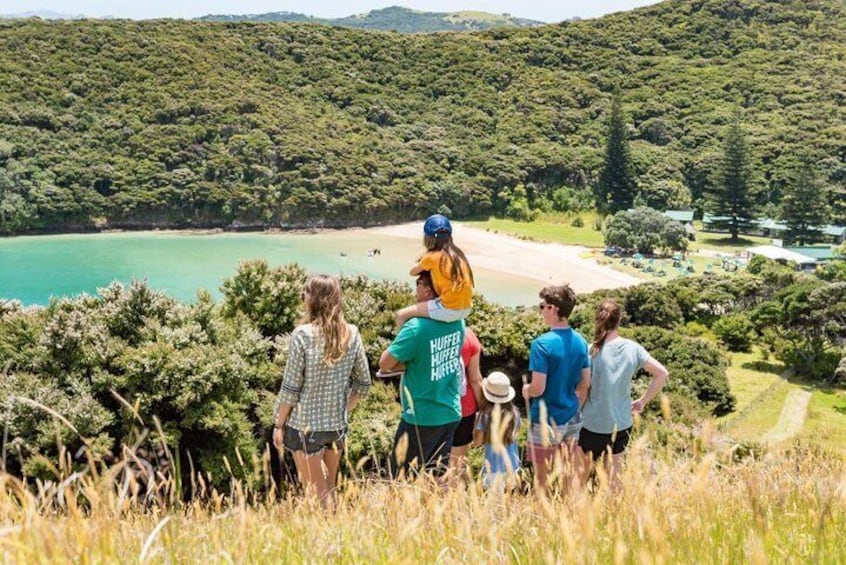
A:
(541, 472)
(614, 466)
(419, 310)
(332, 461)
(310, 470)
(584, 465)
(458, 461)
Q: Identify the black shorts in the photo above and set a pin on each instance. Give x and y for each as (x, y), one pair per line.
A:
(464, 432)
(597, 444)
(313, 442)
(426, 448)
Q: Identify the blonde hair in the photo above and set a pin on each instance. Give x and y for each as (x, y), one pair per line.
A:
(607, 319)
(451, 255)
(325, 312)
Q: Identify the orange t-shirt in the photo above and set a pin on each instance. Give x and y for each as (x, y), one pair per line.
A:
(453, 295)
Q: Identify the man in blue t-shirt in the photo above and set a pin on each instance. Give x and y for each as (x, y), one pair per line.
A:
(560, 368)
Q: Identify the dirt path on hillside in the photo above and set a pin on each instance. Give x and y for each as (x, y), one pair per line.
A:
(791, 419)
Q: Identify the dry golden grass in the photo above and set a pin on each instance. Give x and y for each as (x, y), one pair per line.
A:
(785, 507)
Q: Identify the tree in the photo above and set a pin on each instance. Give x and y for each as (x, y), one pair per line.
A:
(646, 230)
(617, 186)
(730, 198)
(665, 194)
(805, 206)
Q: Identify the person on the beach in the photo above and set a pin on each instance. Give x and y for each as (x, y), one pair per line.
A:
(496, 429)
(560, 369)
(326, 374)
(607, 414)
(451, 275)
(429, 353)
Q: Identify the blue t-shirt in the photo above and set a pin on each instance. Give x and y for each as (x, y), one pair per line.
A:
(609, 405)
(560, 354)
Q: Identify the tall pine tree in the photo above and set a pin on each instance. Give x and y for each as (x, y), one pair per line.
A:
(730, 198)
(617, 188)
(804, 206)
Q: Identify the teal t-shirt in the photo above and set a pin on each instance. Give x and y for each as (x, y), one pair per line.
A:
(431, 352)
(609, 404)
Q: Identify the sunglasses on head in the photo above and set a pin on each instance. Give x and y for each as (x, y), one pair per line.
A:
(543, 306)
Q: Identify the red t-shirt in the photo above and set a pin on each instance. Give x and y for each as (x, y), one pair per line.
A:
(471, 347)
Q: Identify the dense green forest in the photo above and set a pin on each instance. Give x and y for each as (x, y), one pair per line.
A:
(179, 123)
(394, 18)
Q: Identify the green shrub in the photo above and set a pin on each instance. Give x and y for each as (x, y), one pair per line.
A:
(735, 331)
(577, 222)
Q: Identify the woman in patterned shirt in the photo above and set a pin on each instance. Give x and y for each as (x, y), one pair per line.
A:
(325, 376)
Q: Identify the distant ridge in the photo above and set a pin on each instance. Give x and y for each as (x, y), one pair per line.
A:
(395, 18)
(44, 15)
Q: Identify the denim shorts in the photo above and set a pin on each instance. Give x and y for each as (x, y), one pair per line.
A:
(313, 442)
(439, 312)
(544, 440)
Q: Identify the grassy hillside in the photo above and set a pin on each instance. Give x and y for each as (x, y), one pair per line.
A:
(395, 18)
(178, 123)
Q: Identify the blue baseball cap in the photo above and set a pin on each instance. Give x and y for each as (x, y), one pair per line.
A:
(437, 225)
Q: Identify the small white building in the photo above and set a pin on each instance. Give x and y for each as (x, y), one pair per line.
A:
(782, 255)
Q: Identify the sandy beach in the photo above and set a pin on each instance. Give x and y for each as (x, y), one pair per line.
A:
(550, 263)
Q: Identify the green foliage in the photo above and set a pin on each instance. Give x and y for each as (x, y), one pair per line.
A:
(616, 188)
(270, 298)
(839, 376)
(730, 197)
(133, 124)
(664, 195)
(697, 370)
(804, 207)
(651, 305)
(644, 230)
(372, 427)
(735, 331)
(806, 325)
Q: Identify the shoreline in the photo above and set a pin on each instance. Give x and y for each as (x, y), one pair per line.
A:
(544, 263)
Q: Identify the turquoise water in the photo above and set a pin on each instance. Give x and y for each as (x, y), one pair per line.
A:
(35, 268)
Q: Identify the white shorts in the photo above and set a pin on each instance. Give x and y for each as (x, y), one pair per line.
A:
(437, 311)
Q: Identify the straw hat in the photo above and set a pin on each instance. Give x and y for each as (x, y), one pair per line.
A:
(497, 388)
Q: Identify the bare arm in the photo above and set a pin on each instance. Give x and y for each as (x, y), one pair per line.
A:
(282, 415)
(659, 377)
(474, 378)
(416, 270)
(536, 387)
(583, 387)
(388, 362)
(360, 376)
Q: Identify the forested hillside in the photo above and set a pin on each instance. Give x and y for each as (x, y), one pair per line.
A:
(178, 123)
(394, 18)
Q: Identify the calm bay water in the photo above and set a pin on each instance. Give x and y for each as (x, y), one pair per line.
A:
(35, 268)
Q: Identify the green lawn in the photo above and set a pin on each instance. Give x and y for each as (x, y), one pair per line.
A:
(761, 393)
(556, 228)
(825, 425)
(722, 242)
(749, 376)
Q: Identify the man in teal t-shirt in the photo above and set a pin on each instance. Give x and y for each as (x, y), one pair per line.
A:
(429, 391)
